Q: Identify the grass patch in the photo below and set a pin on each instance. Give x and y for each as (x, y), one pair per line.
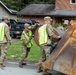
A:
(15, 51)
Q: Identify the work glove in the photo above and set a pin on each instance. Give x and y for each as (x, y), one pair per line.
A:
(37, 24)
(30, 37)
(58, 37)
(9, 42)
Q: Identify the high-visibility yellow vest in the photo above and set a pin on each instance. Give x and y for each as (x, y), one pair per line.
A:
(42, 35)
(27, 37)
(1, 32)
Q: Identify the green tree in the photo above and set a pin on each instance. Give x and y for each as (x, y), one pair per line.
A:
(20, 4)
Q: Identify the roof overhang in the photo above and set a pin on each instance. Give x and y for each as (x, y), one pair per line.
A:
(13, 12)
(69, 13)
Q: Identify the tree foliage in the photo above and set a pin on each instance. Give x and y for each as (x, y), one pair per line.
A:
(20, 4)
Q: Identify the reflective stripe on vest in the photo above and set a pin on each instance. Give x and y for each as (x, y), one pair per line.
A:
(42, 35)
(27, 37)
(1, 32)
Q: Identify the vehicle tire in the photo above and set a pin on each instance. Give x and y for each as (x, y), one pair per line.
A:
(17, 36)
(13, 36)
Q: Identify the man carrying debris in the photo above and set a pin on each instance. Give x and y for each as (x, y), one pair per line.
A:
(45, 33)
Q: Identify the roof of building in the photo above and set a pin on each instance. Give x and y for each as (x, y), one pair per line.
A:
(9, 10)
(70, 13)
(45, 9)
(37, 9)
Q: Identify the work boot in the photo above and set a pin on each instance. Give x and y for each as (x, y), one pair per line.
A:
(1, 65)
(39, 70)
(23, 63)
(20, 65)
(38, 64)
(4, 66)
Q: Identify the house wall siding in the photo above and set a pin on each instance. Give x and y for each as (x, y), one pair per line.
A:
(64, 5)
(4, 12)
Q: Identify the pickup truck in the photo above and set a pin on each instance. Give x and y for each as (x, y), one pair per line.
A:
(12, 24)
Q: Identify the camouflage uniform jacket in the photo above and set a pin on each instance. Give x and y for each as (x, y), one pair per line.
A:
(7, 37)
(24, 40)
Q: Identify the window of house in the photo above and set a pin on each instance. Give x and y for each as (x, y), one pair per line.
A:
(73, 1)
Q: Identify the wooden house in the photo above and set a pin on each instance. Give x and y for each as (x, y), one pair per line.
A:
(62, 9)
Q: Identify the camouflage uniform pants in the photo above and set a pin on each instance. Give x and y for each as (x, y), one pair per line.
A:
(45, 52)
(24, 55)
(3, 52)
